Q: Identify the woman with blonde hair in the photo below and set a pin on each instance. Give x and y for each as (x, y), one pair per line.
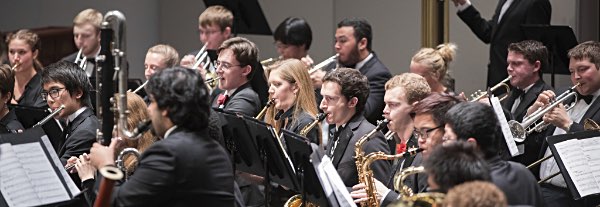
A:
(294, 98)
(432, 64)
(23, 51)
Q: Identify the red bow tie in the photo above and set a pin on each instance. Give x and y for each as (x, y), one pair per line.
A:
(222, 99)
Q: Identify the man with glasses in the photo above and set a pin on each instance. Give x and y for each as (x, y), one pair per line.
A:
(65, 84)
(345, 93)
(428, 122)
(235, 69)
(476, 123)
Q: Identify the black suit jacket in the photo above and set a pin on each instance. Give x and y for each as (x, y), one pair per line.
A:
(244, 100)
(416, 182)
(81, 134)
(185, 169)
(31, 96)
(296, 124)
(343, 156)
(517, 183)
(508, 30)
(10, 124)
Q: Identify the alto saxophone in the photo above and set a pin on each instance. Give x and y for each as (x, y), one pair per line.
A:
(360, 154)
(370, 188)
(320, 117)
(262, 112)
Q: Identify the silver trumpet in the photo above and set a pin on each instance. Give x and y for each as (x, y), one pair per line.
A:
(324, 63)
(81, 59)
(47, 118)
(120, 162)
(528, 125)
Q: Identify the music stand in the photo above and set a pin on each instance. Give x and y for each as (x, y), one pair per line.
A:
(558, 39)
(299, 149)
(574, 177)
(29, 116)
(248, 17)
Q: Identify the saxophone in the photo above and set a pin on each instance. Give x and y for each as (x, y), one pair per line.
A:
(262, 112)
(407, 195)
(359, 158)
(307, 128)
(370, 188)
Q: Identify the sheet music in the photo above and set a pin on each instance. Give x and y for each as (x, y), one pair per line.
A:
(577, 165)
(54, 156)
(508, 137)
(26, 176)
(591, 150)
(339, 188)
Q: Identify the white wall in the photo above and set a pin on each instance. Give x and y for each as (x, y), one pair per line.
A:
(396, 27)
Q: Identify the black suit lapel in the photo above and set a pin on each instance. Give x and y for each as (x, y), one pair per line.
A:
(496, 16)
(592, 110)
(344, 139)
(73, 125)
(527, 99)
(368, 64)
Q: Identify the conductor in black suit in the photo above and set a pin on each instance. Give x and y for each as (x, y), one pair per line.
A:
(186, 168)
(65, 84)
(504, 28)
(353, 43)
(345, 93)
(526, 61)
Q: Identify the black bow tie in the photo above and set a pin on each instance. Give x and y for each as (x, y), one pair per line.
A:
(518, 93)
(586, 98)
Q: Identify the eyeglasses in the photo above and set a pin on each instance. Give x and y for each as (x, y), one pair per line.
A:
(424, 133)
(54, 93)
(224, 65)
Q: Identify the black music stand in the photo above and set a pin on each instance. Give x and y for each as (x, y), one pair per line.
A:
(553, 140)
(558, 39)
(299, 149)
(248, 17)
(29, 116)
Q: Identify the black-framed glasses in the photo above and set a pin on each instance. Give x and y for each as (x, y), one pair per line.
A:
(224, 65)
(54, 93)
(424, 133)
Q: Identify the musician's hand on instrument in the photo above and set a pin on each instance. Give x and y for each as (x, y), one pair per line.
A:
(84, 167)
(545, 98)
(101, 156)
(317, 78)
(187, 61)
(308, 61)
(358, 193)
(558, 117)
(70, 162)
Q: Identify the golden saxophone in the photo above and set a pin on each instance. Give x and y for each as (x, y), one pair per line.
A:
(262, 112)
(369, 181)
(360, 154)
(320, 117)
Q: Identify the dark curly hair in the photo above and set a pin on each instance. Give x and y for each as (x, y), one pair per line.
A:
(183, 94)
(353, 84)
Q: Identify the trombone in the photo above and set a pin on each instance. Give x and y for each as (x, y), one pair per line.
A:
(478, 95)
(521, 130)
(81, 59)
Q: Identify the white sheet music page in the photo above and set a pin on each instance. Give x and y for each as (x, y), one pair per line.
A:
(576, 164)
(27, 177)
(591, 151)
(508, 137)
(339, 188)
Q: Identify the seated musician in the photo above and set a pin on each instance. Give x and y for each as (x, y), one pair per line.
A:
(86, 34)
(158, 58)
(475, 193)
(584, 66)
(526, 61)
(293, 37)
(475, 122)
(433, 64)
(8, 119)
(87, 173)
(294, 98)
(353, 43)
(345, 93)
(187, 167)
(65, 84)
(23, 52)
(428, 123)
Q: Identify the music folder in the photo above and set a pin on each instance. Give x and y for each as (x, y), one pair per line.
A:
(31, 173)
(300, 149)
(29, 116)
(578, 158)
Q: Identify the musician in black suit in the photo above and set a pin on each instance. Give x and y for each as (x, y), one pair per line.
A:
(504, 28)
(345, 93)
(65, 84)
(8, 119)
(526, 61)
(428, 122)
(475, 122)
(353, 43)
(584, 67)
(86, 34)
(186, 168)
(235, 68)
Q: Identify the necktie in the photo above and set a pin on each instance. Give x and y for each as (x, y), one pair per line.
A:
(334, 138)
(221, 100)
(586, 98)
(518, 93)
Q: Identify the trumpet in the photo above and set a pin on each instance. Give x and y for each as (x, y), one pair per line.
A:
(325, 62)
(81, 59)
(270, 61)
(47, 118)
(521, 130)
(262, 112)
(478, 95)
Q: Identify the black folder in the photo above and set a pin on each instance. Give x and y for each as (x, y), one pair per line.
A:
(30, 116)
(553, 140)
